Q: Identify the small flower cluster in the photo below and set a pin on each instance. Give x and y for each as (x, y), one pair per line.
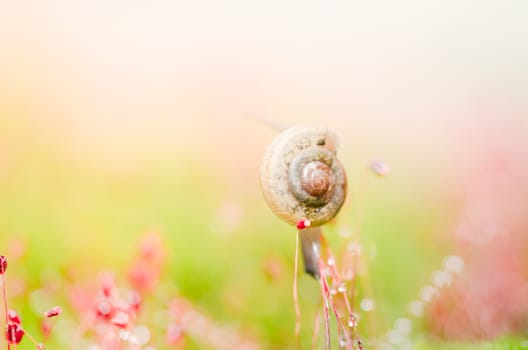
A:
(114, 317)
(109, 314)
(14, 332)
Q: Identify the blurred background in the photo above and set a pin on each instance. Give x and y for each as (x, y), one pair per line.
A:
(125, 119)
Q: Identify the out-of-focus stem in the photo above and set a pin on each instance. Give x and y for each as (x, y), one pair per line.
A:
(30, 337)
(4, 295)
(317, 325)
(326, 314)
(296, 293)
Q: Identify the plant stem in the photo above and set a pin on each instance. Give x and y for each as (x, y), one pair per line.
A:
(4, 295)
(296, 293)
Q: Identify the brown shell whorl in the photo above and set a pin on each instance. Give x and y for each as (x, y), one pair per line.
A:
(301, 177)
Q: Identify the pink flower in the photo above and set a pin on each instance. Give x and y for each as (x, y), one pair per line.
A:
(174, 334)
(121, 319)
(151, 249)
(104, 309)
(135, 302)
(143, 276)
(145, 271)
(107, 284)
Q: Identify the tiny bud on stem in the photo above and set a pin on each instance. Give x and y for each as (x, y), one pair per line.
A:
(55, 311)
(3, 264)
(301, 225)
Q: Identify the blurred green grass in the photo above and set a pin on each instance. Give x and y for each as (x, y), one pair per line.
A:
(70, 213)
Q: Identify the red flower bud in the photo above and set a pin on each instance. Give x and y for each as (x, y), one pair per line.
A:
(55, 311)
(13, 318)
(303, 224)
(104, 309)
(3, 264)
(14, 333)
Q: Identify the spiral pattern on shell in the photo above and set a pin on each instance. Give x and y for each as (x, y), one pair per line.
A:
(301, 177)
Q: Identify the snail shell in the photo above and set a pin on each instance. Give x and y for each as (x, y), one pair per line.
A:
(301, 177)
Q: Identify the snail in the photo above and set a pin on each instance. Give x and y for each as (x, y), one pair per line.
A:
(305, 185)
(301, 177)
